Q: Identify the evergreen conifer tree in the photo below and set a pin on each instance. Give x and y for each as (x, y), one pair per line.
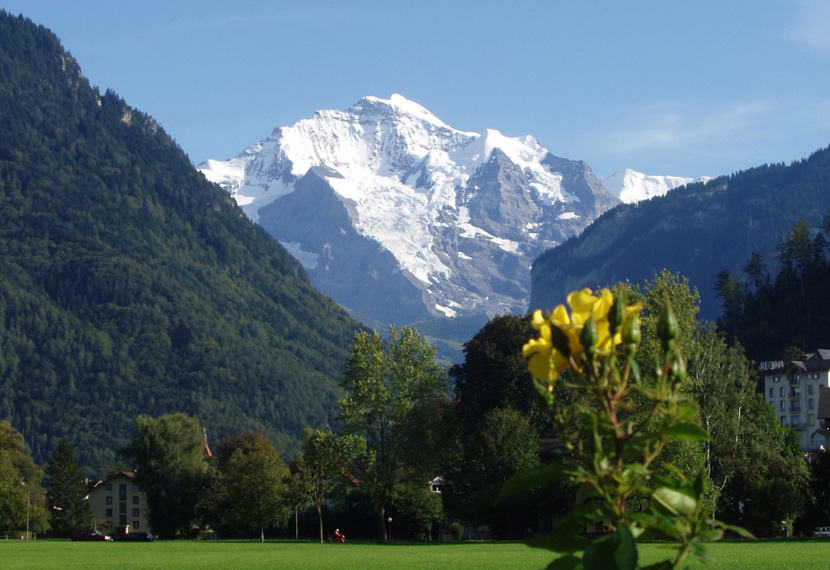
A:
(66, 491)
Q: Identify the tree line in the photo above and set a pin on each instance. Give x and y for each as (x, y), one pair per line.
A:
(400, 425)
(770, 313)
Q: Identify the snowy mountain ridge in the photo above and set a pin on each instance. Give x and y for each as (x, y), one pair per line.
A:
(632, 187)
(399, 216)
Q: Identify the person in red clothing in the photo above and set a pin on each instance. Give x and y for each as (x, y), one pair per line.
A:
(339, 536)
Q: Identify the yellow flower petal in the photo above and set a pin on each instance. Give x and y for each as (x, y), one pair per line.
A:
(544, 361)
(582, 303)
(560, 363)
(535, 346)
(603, 304)
(560, 316)
(540, 368)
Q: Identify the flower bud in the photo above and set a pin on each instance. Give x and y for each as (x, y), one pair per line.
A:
(678, 369)
(667, 326)
(616, 315)
(588, 337)
(631, 333)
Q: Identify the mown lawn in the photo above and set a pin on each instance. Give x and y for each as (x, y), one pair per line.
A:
(354, 556)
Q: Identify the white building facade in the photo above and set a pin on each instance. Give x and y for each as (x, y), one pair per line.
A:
(118, 505)
(794, 388)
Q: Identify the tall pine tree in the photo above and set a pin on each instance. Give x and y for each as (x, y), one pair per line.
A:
(66, 492)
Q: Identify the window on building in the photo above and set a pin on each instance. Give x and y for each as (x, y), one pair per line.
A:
(135, 525)
(810, 404)
(108, 500)
(135, 488)
(782, 391)
(810, 389)
(108, 488)
(776, 379)
(783, 420)
(135, 512)
(794, 421)
(811, 420)
(109, 513)
(782, 406)
(815, 376)
(122, 492)
(772, 392)
(135, 499)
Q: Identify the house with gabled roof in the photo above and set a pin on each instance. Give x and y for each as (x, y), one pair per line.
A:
(799, 391)
(118, 505)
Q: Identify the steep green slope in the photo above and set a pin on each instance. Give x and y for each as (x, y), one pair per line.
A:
(128, 284)
(698, 230)
(769, 313)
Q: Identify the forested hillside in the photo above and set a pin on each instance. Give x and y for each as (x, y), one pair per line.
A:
(778, 308)
(129, 284)
(697, 230)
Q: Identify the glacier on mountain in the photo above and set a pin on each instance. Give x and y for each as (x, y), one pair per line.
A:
(399, 217)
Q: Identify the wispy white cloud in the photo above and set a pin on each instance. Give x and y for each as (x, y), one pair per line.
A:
(810, 25)
(675, 125)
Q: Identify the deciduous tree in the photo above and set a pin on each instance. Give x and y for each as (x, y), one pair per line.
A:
(494, 374)
(326, 460)
(382, 385)
(249, 488)
(166, 454)
(506, 443)
(22, 500)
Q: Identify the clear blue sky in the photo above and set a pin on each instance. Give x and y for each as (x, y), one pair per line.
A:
(664, 87)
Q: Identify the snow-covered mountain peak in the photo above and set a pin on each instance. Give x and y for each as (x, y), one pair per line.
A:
(395, 139)
(631, 186)
(396, 105)
(406, 202)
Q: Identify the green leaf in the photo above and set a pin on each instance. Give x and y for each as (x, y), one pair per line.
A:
(666, 526)
(559, 542)
(617, 550)
(701, 550)
(702, 484)
(635, 370)
(685, 413)
(626, 553)
(710, 535)
(567, 562)
(675, 501)
(600, 554)
(738, 529)
(665, 481)
(688, 432)
(534, 477)
(567, 535)
(664, 565)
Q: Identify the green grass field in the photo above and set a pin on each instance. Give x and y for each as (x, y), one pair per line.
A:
(16, 554)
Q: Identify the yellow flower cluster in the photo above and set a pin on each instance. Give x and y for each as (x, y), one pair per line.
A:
(545, 360)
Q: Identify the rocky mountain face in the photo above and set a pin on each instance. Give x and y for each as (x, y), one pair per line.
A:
(399, 217)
